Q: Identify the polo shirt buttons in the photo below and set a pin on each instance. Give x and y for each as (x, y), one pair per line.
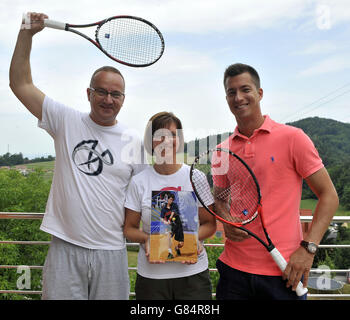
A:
(249, 149)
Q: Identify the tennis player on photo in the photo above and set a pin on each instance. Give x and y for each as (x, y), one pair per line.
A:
(170, 215)
(281, 157)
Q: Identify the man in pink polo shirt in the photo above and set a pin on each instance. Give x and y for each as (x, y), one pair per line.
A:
(281, 157)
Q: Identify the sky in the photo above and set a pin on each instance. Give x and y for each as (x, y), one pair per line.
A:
(301, 49)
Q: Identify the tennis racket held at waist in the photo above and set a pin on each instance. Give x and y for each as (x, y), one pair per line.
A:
(221, 177)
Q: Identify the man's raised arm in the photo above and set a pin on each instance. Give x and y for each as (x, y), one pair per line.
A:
(21, 82)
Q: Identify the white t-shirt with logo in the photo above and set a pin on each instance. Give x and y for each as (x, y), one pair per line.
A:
(93, 167)
(138, 198)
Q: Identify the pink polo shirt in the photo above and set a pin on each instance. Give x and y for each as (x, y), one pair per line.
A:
(280, 157)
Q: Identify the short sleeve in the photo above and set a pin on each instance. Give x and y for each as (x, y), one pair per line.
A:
(133, 199)
(53, 114)
(306, 158)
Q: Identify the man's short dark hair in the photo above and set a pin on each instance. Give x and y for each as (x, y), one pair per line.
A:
(171, 196)
(239, 68)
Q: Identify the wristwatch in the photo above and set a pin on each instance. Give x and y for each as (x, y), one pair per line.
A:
(309, 246)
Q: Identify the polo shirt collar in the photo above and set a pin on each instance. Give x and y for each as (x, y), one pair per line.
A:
(266, 126)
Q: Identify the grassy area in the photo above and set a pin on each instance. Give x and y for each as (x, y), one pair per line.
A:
(311, 204)
(344, 290)
(132, 258)
(46, 165)
(132, 262)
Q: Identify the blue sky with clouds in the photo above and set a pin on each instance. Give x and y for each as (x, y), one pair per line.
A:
(301, 49)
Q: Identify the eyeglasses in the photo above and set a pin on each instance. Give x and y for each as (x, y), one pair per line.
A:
(163, 133)
(104, 93)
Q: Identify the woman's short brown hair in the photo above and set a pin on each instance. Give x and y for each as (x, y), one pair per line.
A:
(158, 121)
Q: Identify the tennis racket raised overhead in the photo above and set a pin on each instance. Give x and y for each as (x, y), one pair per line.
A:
(224, 176)
(129, 40)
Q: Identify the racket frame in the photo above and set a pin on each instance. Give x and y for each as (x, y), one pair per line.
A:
(269, 245)
(69, 27)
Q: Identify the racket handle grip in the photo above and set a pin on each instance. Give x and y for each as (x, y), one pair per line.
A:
(55, 24)
(282, 263)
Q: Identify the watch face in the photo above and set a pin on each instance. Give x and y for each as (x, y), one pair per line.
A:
(312, 248)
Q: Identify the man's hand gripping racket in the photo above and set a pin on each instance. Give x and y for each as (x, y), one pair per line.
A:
(221, 174)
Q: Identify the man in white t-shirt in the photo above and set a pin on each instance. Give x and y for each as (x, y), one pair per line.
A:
(87, 258)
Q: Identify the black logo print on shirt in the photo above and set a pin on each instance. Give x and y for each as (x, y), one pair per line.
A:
(88, 160)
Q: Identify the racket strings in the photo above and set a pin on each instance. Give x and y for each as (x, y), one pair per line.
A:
(235, 190)
(202, 186)
(242, 195)
(130, 40)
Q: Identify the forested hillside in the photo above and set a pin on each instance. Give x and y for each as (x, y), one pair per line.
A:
(9, 159)
(331, 138)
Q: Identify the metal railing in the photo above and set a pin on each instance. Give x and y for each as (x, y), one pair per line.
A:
(26, 215)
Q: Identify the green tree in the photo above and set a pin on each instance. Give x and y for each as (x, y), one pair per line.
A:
(342, 255)
(345, 199)
(20, 193)
(9, 255)
(213, 254)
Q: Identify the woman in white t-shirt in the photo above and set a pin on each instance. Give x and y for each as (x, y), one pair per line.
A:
(157, 279)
